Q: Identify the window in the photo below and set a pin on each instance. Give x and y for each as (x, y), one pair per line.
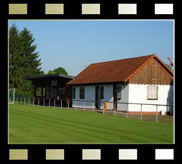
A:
(119, 92)
(74, 92)
(102, 92)
(39, 91)
(43, 92)
(82, 92)
(152, 93)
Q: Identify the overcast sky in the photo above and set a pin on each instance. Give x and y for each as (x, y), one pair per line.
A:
(76, 44)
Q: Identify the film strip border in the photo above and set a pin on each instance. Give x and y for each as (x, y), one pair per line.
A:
(89, 9)
(90, 154)
(65, 9)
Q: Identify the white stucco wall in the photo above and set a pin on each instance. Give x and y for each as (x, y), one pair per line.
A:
(122, 104)
(88, 102)
(131, 93)
(138, 94)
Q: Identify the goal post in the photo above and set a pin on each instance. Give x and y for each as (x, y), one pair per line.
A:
(12, 95)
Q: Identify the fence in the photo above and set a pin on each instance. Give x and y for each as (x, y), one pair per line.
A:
(18, 98)
(142, 111)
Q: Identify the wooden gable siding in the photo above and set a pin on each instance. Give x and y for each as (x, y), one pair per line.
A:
(153, 72)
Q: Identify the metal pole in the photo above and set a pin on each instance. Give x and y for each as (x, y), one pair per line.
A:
(156, 113)
(141, 112)
(38, 101)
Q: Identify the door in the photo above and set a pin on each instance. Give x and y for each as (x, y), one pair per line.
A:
(98, 97)
(114, 97)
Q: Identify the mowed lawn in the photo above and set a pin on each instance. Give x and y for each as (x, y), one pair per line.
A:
(33, 124)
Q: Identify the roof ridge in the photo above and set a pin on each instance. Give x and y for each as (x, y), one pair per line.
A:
(124, 59)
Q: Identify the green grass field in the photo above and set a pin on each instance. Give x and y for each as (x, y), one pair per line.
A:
(33, 124)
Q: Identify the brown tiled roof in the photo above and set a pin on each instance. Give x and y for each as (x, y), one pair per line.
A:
(111, 71)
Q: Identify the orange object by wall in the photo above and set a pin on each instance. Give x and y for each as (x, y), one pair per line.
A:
(105, 105)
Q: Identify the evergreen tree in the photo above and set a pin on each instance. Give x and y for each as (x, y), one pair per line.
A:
(23, 60)
(14, 51)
